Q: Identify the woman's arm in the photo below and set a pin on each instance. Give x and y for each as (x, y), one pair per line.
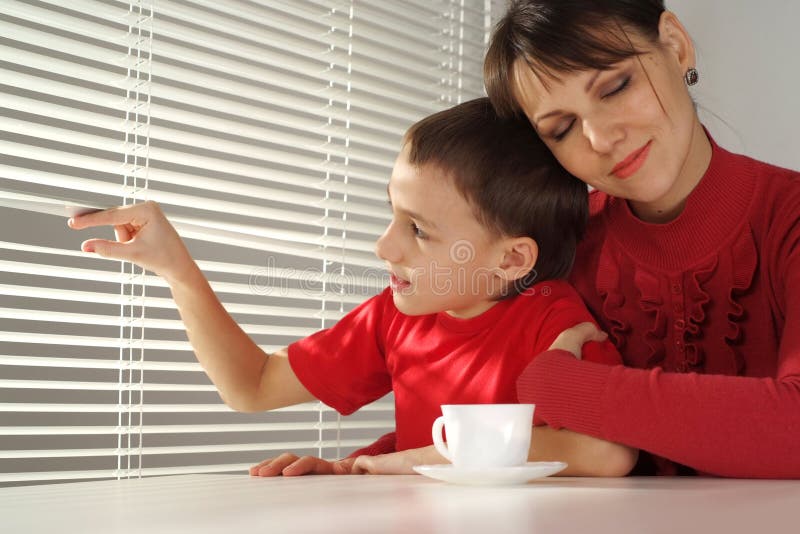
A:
(732, 426)
(722, 425)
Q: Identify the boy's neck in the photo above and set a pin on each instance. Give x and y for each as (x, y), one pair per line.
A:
(477, 309)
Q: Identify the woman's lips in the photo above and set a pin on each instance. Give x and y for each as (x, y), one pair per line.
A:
(625, 168)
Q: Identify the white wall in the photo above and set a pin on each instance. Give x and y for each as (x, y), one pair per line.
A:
(749, 77)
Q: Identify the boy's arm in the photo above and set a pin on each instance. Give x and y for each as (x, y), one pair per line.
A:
(247, 378)
(585, 455)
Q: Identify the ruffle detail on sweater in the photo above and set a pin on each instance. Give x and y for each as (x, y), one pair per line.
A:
(726, 275)
(652, 304)
(744, 257)
(698, 300)
(742, 260)
(608, 287)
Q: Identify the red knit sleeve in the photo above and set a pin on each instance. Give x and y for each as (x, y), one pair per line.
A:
(724, 425)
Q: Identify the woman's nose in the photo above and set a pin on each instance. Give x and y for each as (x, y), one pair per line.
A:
(603, 135)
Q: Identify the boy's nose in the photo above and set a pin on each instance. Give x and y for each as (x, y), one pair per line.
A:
(385, 247)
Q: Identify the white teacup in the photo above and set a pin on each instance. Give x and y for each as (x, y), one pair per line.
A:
(484, 435)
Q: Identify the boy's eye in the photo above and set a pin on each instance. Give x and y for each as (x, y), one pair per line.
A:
(418, 231)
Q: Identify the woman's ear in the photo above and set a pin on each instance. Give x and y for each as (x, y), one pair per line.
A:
(676, 40)
(519, 257)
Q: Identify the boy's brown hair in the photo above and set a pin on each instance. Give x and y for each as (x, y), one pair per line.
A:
(510, 178)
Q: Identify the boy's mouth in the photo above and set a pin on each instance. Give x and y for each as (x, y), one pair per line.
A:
(398, 283)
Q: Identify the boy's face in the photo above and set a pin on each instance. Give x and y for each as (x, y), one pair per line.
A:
(441, 258)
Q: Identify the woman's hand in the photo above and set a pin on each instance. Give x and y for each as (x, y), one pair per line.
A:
(572, 339)
(144, 236)
(291, 465)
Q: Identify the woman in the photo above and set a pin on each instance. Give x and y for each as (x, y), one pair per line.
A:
(692, 259)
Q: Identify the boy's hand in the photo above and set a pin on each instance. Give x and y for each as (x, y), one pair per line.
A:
(573, 339)
(291, 465)
(397, 463)
(144, 236)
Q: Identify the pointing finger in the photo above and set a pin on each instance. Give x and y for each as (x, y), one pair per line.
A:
(135, 214)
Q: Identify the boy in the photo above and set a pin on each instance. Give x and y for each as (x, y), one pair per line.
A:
(485, 224)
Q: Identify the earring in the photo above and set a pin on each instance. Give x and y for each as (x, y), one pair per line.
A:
(692, 76)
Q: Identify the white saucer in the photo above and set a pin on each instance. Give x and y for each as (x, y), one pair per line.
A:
(492, 476)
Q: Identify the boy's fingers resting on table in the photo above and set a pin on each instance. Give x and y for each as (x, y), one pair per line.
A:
(288, 464)
(272, 467)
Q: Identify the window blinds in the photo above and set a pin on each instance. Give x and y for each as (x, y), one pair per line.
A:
(267, 130)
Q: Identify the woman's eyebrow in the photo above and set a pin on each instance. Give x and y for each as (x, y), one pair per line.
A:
(588, 87)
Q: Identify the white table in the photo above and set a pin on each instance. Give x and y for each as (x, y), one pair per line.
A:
(237, 504)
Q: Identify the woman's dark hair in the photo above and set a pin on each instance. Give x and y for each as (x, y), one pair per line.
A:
(554, 36)
(513, 182)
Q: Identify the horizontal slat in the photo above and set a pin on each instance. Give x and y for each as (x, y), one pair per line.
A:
(178, 154)
(92, 341)
(158, 302)
(195, 449)
(110, 343)
(61, 157)
(37, 106)
(73, 273)
(34, 315)
(313, 116)
(118, 34)
(377, 281)
(367, 105)
(400, 23)
(333, 25)
(266, 282)
(114, 32)
(189, 429)
(100, 386)
(117, 171)
(408, 75)
(96, 363)
(164, 408)
(113, 408)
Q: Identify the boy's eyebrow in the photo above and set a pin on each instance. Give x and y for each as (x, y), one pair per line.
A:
(412, 214)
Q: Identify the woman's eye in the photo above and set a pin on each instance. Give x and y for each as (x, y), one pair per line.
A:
(559, 134)
(619, 88)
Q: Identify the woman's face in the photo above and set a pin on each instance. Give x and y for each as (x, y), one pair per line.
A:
(630, 131)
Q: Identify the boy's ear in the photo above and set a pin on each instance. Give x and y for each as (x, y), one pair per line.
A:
(519, 258)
